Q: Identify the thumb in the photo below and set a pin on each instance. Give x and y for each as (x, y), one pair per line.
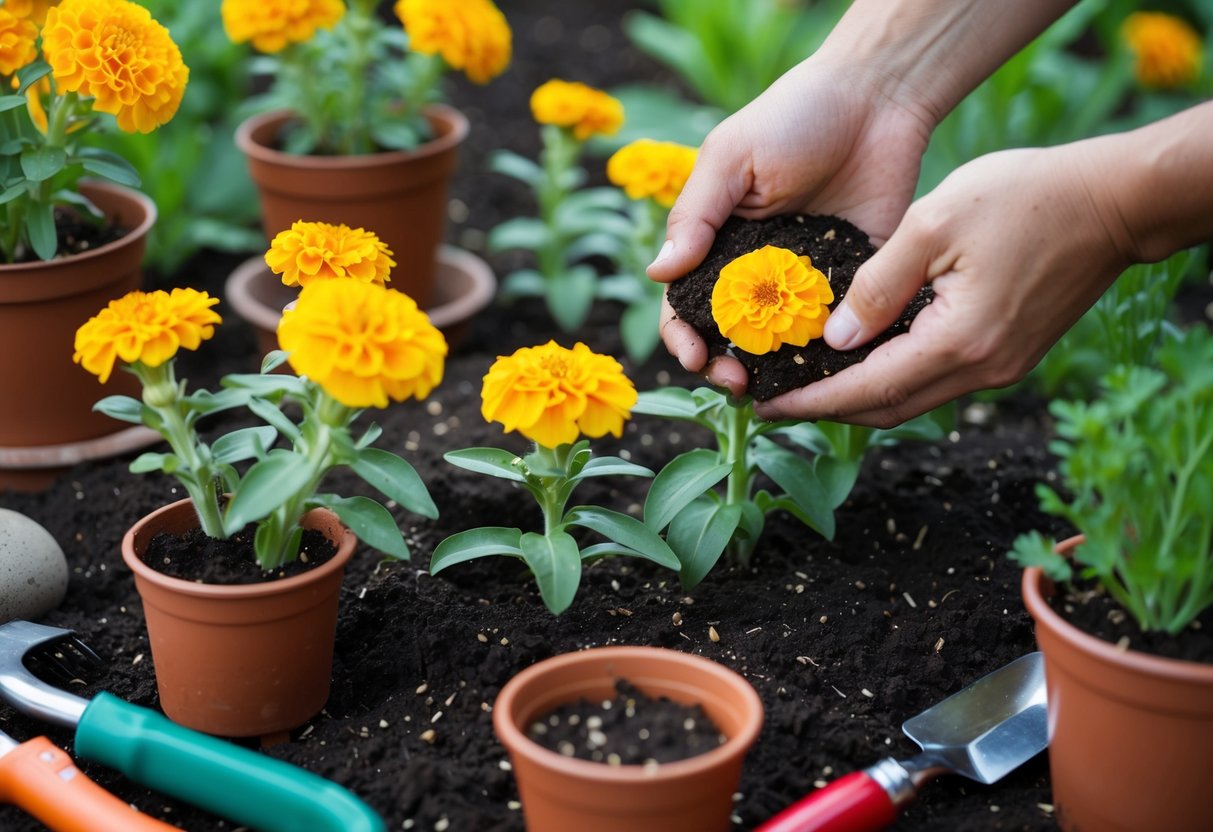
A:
(882, 288)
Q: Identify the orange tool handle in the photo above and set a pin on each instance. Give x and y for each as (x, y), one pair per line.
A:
(40, 777)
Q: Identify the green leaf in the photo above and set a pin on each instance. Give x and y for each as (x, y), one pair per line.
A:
(686, 477)
(272, 361)
(699, 535)
(16, 191)
(837, 477)
(373, 432)
(624, 530)
(273, 416)
(476, 543)
(31, 74)
(611, 466)
(570, 294)
(372, 524)
(246, 443)
(639, 328)
(520, 232)
(519, 167)
(265, 486)
(1034, 549)
(41, 163)
(667, 402)
(40, 227)
(266, 385)
(556, 562)
(395, 478)
(492, 461)
(11, 102)
(523, 283)
(145, 463)
(122, 408)
(795, 475)
(396, 135)
(109, 165)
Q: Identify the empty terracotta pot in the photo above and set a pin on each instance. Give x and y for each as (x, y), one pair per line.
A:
(1130, 734)
(560, 794)
(240, 661)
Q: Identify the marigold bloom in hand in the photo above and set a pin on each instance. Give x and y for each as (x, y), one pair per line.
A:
(1167, 48)
(145, 327)
(551, 394)
(115, 53)
(648, 168)
(471, 35)
(272, 25)
(363, 343)
(17, 37)
(583, 109)
(771, 297)
(309, 251)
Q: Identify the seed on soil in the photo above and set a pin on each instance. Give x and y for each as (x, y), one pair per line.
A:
(482, 638)
(429, 735)
(867, 693)
(712, 634)
(442, 824)
(909, 600)
(676, 618)
(939, 644)
(823, 619)
(422, 688)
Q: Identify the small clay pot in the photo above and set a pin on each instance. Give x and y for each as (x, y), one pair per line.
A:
(399, 195)
(1131, 735)
(560, 794)
(251, 660)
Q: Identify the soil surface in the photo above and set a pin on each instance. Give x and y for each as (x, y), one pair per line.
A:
(912, 600)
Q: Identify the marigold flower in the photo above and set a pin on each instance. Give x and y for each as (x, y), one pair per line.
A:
(145, 327)
(648, 168)
(309, 251)
(550, 394)
(585, 110)
(272, 25)
(1167, 48)
(471, 35)
(34, 10)
(771, 297)
(362, 343)
(17, 41)
(114, 52)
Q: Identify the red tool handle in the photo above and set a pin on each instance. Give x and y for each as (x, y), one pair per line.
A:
(40, 777)
(854, 803)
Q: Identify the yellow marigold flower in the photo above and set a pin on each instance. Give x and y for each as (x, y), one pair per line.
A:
(585, 110)
(114, 52)
(362, 343)
(272, 25)
(648, 168)
(34, 10)
(471, 35)
(1168, 50)
(771, 297)
(550, 394)
(309, 251)
(17, 37)
(145, 327)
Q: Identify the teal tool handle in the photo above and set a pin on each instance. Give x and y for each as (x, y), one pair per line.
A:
(236, 783)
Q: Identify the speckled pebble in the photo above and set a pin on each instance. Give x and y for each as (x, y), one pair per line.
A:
(33, 571)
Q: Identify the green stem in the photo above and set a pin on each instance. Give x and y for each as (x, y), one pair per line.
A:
(734, 442)
(559, 157)
(359, 26)
(552, 489)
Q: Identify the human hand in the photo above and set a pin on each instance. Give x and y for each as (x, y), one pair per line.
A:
(1016, 244)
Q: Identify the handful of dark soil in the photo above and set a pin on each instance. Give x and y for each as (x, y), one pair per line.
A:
(835, 247)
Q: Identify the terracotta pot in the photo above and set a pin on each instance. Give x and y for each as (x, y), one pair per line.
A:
(46, 399)
(560, 793)
(465, 285)
(1130, 734)
(240, 661)
(399, 195)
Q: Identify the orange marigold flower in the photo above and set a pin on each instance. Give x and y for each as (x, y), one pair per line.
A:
(310, 251)
(17, 39)
(34, 10)
(648, 168)
(114, 52)
(145, 327)
(581, 108)
(1167, 48)
(551, 395)
(471, 35)
(362, 343)
(771, 297)
(272, 25)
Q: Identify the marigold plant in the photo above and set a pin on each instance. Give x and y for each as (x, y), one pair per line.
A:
(653, 169)
(581, 108)
(309, 251)
(66, 63)
(1167, 49)
(771, 297)
(554, 395)
(270, 25)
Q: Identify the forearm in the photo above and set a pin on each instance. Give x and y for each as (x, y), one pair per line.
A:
(930, 54)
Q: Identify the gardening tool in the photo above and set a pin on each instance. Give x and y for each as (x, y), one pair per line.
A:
(237, 783)
(982, 732)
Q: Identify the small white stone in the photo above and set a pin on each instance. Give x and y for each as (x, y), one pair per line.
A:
(33, 571)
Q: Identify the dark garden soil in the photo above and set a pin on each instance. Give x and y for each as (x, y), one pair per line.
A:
(843, 639)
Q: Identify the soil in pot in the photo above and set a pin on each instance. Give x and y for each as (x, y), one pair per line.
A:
(194, 556)
(835, 246)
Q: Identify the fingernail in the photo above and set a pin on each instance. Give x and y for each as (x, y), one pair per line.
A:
(842, 328)
(767, 412)
(666, 250)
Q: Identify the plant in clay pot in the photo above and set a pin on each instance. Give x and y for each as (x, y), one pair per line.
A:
(354, 133)
(553, 395)
(268, 529)
(70, 242)
(1121, 609)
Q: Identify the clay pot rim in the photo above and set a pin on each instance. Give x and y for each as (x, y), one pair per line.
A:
(141, 230)
(516, 742)
(345, 550)
(1034, 588)
(254, 149)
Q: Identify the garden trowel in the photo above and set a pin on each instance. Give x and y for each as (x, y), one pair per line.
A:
(983, 733)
